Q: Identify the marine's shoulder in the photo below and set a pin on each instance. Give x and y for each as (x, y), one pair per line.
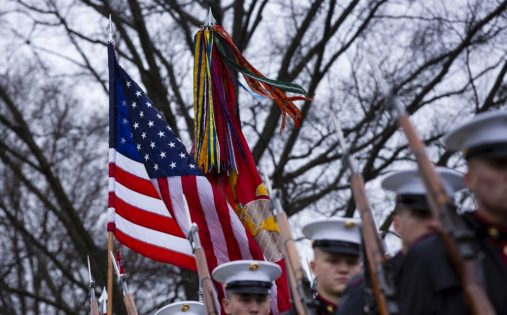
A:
(428, 246)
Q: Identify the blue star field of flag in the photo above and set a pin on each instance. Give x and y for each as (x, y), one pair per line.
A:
(142, 133)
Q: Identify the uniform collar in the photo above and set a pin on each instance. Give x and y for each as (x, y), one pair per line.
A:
(493, 230)
(422, 238)
(329, 306)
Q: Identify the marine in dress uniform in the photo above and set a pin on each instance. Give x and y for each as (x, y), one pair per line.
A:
(247, 286)
(336, 247)
(483, 141)
(182, 308)
(414, 224)
(420, 260)
(428, 282)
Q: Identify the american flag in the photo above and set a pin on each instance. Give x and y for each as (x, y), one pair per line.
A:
(149, 173)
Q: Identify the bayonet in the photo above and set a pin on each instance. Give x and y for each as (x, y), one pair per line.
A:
(343, 145)
(92, 282)
(389, 93)
(103, 300)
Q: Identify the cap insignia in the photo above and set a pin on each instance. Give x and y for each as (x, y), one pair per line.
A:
(350, 224)
(253, 266)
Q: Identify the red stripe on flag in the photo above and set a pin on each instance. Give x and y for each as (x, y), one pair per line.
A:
(163, 185)
(155, 252)
(189, 186)
(225, 222)
(147, 219)
(133, 182)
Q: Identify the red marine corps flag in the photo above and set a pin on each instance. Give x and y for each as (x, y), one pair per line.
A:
(220, 148)
(149, 173)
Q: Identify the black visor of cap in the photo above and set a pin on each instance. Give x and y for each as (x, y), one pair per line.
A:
(338, 247)
(412, 201)
(488, 151)
(249, 287)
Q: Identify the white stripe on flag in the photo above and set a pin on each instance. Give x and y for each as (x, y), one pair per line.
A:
(129, 165)
(153, 237)
(110, 215)
(215, 228)
(112, 155)
(239, 231)
(141, 201)
(176, 195)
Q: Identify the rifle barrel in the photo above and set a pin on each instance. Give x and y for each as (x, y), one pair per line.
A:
(128, 300)
(298, 282)
(375, 252)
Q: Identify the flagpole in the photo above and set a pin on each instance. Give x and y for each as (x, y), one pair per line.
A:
(110, 245)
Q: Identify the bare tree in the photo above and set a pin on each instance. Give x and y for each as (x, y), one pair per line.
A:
(446, 59)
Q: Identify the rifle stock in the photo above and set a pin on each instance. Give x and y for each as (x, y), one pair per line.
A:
(128, 300)
(457, 238)
(203, 272)
(380, 279)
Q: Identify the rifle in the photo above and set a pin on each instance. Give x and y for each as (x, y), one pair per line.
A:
(128, 299)
(458, 239)
(94, 306)
(376, 257)
(300, 286)
(202, 270)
